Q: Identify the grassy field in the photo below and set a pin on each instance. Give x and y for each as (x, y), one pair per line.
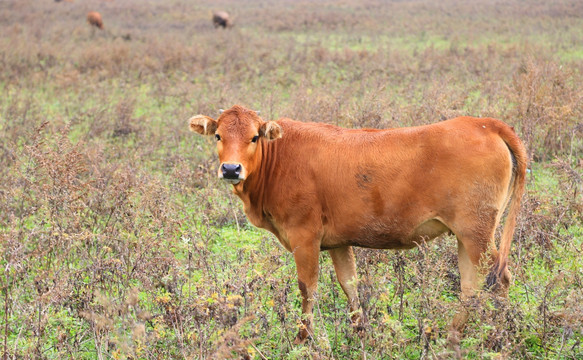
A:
(117, 241)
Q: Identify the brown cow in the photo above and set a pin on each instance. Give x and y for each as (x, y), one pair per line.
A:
(94, 19)
(221, 18)
(320, 187)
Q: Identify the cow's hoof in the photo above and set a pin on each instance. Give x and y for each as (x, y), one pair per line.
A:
(299, 341)
(360, 331)
(359, 328)
(453, 339)
(302, 336)
(357, 323)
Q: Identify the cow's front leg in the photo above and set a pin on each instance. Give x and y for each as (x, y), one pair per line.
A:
(306, 252)
(345, 267)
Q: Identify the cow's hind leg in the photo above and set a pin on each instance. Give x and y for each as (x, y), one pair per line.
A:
(469, 284)
(475, 255)
(345, 267)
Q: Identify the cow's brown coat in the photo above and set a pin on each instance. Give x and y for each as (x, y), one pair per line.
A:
(94, 19)
(222, 19)
(320, 187)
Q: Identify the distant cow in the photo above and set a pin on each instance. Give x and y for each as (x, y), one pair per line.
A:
(94, 19)
(320, 187)
(221, 18)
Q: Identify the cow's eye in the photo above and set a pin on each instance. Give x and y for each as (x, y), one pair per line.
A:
(255, 138)
(218, 137)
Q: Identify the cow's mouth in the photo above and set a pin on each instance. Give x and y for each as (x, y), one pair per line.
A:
(232, 181)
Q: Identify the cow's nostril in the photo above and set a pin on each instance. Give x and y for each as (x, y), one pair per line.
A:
(231, 171)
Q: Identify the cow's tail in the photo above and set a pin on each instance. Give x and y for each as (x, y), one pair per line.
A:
(499, 277)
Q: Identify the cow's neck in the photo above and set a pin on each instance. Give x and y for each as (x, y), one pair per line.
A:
(253, 190)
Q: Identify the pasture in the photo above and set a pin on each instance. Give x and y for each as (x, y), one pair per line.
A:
(118, 241)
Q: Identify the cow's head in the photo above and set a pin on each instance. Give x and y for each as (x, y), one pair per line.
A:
(240, 133)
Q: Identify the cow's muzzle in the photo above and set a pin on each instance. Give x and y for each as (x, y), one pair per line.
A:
(231, 172)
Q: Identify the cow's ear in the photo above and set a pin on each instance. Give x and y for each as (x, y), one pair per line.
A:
(203, 125)
(271, 130)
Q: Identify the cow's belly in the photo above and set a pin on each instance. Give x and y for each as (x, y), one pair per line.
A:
(386, 236)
